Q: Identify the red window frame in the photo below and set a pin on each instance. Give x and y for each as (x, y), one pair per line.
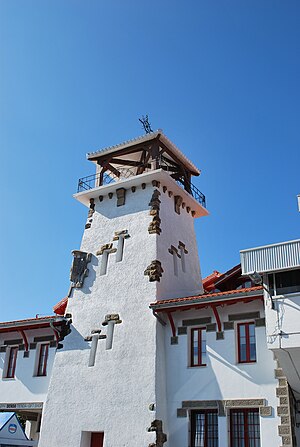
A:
(199, 331)
(43, 359)
(204, 428)
(244, 427)
(12, 360)
(247, 343)
(97, 439)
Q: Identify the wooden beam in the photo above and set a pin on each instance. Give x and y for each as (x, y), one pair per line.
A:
(126, 151)
(120, 161)
(113, 170)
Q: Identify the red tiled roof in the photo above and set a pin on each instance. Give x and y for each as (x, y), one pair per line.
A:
(29, 320)
(60, 307)
(209, 281)
(208, 295)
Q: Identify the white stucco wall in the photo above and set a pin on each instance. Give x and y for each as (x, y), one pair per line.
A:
(25, 386)
(223, 378)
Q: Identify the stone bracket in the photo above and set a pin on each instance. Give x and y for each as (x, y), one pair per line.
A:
(154, 271)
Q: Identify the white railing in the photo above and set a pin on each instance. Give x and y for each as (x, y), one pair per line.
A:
(270, 258)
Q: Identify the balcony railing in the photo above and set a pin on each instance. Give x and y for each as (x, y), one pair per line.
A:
(92, 181)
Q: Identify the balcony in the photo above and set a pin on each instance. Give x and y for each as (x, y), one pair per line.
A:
(121, 173)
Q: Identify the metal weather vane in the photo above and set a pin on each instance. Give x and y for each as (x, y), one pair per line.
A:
(146, 125)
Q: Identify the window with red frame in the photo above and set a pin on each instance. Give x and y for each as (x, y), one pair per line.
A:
(43, 358)
(12, 360)
(246, 342)
(204, 428)
(244, 428)
(198, 347)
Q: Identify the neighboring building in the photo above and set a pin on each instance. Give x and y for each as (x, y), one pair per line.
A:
(155, 356)
(12, 433)
(279, 266)
(27, 350)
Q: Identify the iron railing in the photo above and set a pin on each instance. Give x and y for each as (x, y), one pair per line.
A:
(92, 181)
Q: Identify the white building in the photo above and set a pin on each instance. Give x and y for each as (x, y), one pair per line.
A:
(155, 356)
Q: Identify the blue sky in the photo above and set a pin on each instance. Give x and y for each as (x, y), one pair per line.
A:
(221, 78)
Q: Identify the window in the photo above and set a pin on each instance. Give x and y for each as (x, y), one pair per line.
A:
(97, 439)
(204, 428)
(11, 364)
(43, 357)
(246, 342)
(284, 282)
(244, 428)
(198, 347)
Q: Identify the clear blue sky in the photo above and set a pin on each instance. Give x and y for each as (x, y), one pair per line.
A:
(221, 78)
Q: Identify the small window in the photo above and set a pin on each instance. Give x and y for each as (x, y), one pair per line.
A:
(43, 358)
(198, 347)
(204, 428)
(11, 364)
(244, 428)
(246, 342)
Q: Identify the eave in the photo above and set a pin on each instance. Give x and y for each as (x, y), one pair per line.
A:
(215, 299)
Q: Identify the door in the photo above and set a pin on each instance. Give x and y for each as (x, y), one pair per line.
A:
(97, 439)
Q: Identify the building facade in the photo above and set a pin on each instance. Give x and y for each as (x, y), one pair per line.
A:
(153, 355)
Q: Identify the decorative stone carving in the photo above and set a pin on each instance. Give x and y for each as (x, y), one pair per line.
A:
(161, 437)
(200, 404)
(228, 325)
(79, 268)
(154, 226)
(244, 316)
(174, 340)
(154, 271)
(181, 413)
(220, 335)
(92, 207)
(155, 183)
(177, 203)
(196, 321)
(121, 195)
(111, 317)
(122, 233)
(245, 403)
(182, 330)
(265, 411)
(106, 247)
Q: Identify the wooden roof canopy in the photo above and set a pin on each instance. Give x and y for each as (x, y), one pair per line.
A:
(149, 152)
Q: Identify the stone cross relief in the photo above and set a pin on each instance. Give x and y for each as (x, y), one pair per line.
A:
(178, 253)
(108, 249)
(110, 321)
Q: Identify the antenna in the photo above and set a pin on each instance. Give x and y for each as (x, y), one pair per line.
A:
(146, 125)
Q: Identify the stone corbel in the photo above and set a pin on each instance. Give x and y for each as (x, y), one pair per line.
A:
(154, 271)
(177, 203)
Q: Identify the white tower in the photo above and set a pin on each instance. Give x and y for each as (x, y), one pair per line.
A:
(138, 246)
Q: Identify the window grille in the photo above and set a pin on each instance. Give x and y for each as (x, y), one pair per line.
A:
(204, 428)
(244, 428)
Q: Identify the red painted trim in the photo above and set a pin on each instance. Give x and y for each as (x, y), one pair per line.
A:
(217, 317)
(244, 434)
(31, 326)
(24, 339)
(199, 331)
(172, 324)
(13, 352)
(42, 365)
(247, 337)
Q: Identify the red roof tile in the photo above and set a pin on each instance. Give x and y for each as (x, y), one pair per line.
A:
(208, 295)
(60, 307)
